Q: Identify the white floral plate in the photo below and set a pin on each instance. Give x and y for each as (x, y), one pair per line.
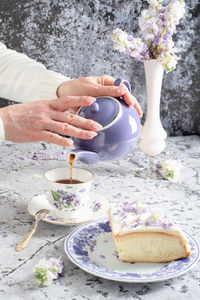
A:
(91, 247)
(98, 208)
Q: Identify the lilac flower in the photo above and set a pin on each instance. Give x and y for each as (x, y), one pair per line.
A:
(134, 47)
(77, 203)
(56, 266)
(21, 157)
(196, 274)
(97, 206)
(119, 38)
(48, 270)
(135, 213)
(169, 169)
(97, 184)
(36, 157)
(157, 25)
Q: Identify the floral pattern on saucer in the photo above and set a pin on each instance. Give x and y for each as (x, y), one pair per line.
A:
(98, 207)
(84, 248)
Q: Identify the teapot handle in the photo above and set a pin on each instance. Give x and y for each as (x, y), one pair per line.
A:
(120, 81)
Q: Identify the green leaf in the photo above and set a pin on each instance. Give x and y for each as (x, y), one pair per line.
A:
(169, 174)
(164, 30)
(69, 205)
(149, 44)
(40, 275)
(55, 195)
(159, 48)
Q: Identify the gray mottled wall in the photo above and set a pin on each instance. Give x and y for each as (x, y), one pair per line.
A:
(74, 38)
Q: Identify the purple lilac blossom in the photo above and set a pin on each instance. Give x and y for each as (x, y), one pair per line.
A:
(157, 25)
(136, 208)
(97, 206)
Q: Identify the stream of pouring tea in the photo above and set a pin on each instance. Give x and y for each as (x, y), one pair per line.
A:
(71, 160)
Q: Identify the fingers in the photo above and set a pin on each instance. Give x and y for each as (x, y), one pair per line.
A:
(62, 103)
(105, 80)
(108, 82)
(73, 110)
(67, 129)
(54, 138)
(131, 100)
(75, 120)
(137, 106)
(112, 91)
(118, 92)
(128, 98)
(105, 87)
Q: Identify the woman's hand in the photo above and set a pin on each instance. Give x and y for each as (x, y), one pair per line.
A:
(97, 86)
(44, 120)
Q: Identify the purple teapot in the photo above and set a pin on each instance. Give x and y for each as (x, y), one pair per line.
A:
(120, 132)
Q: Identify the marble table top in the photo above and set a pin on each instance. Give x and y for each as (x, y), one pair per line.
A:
(21, 164)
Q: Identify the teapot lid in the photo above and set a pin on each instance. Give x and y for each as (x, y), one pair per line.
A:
(104, 110)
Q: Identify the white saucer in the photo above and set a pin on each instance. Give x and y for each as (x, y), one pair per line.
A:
(41, 201)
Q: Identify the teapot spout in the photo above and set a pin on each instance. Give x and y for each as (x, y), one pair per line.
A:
(85, 156)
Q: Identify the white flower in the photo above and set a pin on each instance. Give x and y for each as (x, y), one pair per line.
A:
(149, 24)
(147, 17)
(150, 31)
(169, 169)
(50, 278)
(48, 270)
(154, 2)
(170, 47)
(119, 38)
(44, 277)
(169, 61)
(174, 11)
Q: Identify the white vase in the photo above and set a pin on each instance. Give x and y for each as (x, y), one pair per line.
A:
(152, 136)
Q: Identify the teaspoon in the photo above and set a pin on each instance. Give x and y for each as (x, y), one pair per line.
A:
(38, 216)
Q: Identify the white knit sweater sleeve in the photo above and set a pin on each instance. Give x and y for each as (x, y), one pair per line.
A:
(23, 79)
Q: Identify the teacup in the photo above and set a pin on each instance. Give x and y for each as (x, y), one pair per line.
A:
(69, 200)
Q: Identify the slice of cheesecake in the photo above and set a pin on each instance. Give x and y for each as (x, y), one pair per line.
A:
(144, 234)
